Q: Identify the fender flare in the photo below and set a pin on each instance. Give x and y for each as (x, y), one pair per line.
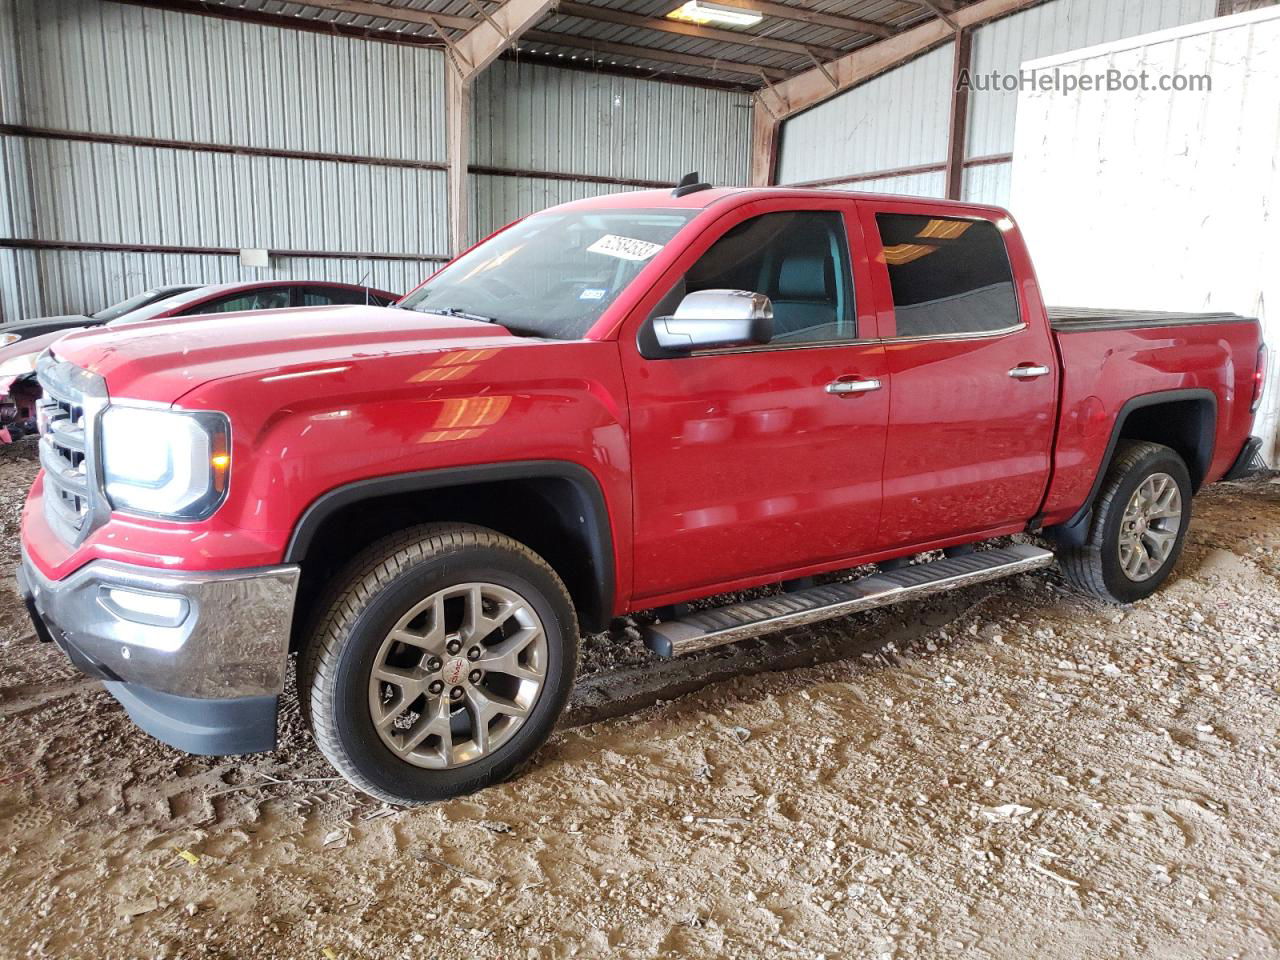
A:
(1075, 531)
(593, 514)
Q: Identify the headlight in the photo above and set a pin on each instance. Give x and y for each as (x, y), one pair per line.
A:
(9, 338)
(165, 463)
(19, 366)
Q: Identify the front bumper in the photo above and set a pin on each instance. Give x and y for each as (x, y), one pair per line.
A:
(198, 659)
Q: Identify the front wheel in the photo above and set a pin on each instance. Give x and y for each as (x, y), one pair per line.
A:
(445, 658)
(1140, 520)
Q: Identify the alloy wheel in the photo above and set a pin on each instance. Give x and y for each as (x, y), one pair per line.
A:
(458, 675)
(1149, 527)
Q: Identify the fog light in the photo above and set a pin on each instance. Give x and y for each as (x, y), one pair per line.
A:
(152, 609)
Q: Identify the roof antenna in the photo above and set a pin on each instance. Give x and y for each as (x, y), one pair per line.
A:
(688, 184)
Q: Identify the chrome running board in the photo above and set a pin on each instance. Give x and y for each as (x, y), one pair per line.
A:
(739, 621)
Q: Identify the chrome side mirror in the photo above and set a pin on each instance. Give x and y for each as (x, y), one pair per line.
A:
(716, 318)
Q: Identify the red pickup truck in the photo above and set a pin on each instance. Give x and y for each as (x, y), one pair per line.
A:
(620, 404)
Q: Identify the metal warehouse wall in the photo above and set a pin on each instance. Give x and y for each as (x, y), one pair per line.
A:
(328, 148)
(1182, 188)
(899, 119)
(590, 129)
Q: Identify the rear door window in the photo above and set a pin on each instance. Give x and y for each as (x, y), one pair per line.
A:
(950, 276)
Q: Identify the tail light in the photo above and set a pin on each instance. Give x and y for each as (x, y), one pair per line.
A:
(1259, 377)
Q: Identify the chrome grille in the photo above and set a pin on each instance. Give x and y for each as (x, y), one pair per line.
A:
(71, 401)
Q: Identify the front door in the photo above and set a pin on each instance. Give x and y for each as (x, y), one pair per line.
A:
(974, 375)
(751, 462)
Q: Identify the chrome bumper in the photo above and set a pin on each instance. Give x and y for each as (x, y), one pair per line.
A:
(213, 635)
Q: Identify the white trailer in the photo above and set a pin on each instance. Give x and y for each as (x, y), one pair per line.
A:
(1161, 198)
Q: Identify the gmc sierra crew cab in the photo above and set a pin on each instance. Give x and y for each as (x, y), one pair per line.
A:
(620, 404)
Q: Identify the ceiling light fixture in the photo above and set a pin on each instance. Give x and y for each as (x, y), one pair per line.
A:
(701, 12)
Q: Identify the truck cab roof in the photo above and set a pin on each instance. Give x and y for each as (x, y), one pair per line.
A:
(735, 196)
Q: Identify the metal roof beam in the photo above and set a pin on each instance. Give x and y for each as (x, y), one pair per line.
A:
(784, 12)
(958, 123)
(804, 90)
(662, 25)
(485, 36)
(497, 30)
(501, 28)
(386, 11)
(650, 53)
(807, 89)
(940, 12)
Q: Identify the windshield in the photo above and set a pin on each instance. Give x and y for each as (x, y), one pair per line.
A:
(553, 274)
(146, 298)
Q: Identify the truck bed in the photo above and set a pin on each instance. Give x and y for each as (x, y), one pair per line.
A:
(1081, 319)
(1114, 361)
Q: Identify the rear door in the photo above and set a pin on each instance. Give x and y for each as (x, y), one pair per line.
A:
(973, 370)
(744, 463)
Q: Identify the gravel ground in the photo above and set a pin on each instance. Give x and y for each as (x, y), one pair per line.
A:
(1008, 771)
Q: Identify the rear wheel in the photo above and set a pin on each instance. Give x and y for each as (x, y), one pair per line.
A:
(445, 658)
(1139, 523)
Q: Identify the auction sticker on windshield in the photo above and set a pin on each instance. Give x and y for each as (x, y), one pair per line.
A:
(624, 248)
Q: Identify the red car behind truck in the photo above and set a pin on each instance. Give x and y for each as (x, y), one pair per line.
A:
(619, 404)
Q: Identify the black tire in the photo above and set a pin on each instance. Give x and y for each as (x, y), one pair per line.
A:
(379, 586)
(1095, 567)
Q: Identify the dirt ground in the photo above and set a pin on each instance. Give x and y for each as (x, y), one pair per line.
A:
(1010, 771)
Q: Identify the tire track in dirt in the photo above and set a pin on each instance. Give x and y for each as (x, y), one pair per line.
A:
(24, 698)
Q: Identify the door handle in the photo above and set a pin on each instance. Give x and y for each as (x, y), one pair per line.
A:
(1028, 371)
(843, 388)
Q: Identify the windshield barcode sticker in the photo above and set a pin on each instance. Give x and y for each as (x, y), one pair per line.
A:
(624, 248)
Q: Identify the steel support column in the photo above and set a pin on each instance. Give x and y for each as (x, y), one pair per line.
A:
(457, 114)
(958, 127)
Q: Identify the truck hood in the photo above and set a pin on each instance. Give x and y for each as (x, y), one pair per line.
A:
(161, 360)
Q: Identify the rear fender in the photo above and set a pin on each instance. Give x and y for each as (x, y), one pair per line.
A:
(1195, 442)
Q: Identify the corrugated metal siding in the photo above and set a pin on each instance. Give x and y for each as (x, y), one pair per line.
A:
(570, 121)
(499, 200)
(898, 119)
(1056, 28)
(9, 281)
(537, 118)
(110, 193)
(911, 185)
(15, 208)
(988, 183)
(125, 70)
(117, 68)
(83, 281)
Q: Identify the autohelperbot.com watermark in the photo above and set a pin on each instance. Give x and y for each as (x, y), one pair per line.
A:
(1112, 80)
